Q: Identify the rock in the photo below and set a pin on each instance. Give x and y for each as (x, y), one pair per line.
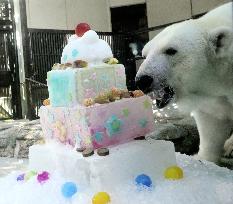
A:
(22, 147)
(7, 152)
(227, 162)
(17, 136)
(169, 131)
(184, 136)
(177, 127)
(3, 142)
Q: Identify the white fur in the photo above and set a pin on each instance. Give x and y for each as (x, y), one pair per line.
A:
(201, 73)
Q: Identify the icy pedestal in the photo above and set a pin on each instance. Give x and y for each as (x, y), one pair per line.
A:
(123, 164)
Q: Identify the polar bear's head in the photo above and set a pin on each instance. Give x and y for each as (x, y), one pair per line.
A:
(187, 58)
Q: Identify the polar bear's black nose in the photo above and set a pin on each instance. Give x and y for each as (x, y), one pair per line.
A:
(144, 83)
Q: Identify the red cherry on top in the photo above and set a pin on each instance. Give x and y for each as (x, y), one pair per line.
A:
(82, 28)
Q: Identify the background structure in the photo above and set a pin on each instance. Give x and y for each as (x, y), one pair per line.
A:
(33, 34)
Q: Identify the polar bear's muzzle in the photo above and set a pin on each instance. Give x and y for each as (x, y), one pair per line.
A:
(162, 92)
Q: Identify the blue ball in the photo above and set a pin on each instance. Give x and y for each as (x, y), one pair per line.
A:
(143, 180)
(68, 189)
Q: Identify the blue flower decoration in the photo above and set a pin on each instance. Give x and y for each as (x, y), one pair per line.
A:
(50, 133)
(77, 136)
(113, 125)
(74, 53)
(50, 116)
(65, 57)
(98, 136)
(105, 78)
(143, 122)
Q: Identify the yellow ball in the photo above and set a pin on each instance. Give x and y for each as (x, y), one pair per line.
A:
(173, 172)
(101, 198)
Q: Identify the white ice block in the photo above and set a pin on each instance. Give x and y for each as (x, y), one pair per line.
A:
(124, 163)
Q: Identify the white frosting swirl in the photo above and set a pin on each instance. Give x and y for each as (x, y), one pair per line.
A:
(88, 48)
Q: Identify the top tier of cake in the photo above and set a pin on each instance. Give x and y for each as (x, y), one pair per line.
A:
(88, 48)
(88, 69)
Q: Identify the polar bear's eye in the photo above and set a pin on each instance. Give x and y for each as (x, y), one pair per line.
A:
(170, 51)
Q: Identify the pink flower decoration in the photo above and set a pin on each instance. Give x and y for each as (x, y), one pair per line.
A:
(120, 72)
(43, 177)
(89, 93)
(93, 76)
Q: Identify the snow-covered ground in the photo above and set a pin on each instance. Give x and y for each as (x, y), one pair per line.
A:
(203, 182)
(8, 165)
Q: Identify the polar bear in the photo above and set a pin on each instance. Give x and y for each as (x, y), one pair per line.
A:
(195, 58)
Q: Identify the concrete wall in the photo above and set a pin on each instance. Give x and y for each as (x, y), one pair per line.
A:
(167, 11)
(50, 14)
(160, 12)
(201, 6)
(97, 15)
(65, 14)
(117, 3)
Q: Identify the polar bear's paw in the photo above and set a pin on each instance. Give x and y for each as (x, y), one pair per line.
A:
(228, 147)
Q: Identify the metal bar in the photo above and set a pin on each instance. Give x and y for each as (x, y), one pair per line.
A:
(26, 57)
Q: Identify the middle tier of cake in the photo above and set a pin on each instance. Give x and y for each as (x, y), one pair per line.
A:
(100, 125)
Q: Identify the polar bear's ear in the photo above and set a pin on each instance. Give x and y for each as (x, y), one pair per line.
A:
(221, 40)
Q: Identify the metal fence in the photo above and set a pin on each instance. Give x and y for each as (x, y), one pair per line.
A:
(9, 78)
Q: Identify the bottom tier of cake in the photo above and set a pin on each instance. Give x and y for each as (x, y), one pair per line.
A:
(124, 163)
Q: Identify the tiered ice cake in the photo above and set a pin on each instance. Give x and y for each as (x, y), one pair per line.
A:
(90, 108)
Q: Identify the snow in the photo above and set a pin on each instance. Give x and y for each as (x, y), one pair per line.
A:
(203, 182)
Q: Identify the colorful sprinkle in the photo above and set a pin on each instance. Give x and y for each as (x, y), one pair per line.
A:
(44, 176)
(30, 174)
(74, 53)
(65, 57)
(20, 177)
